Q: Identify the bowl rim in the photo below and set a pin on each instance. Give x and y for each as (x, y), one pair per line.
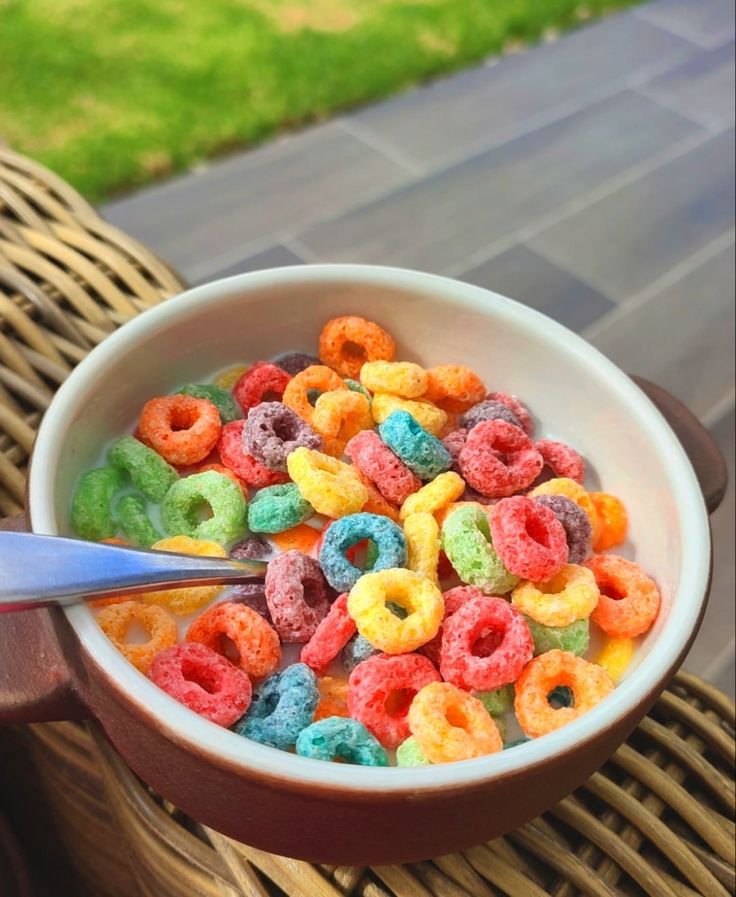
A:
(223, 746)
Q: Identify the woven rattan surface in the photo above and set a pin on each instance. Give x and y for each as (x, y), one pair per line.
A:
(657, 819)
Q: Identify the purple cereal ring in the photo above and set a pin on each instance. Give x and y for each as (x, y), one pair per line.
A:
(575, 522)
(296, 362)
(251, 549)
(272, 432)
(252, 595)
(488, 409)
(454, 442)
(297, 596)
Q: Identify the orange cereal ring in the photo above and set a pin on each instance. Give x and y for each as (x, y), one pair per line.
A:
(575, 492)
(345, 344)
(333, 697)
(453, 387)
(629, 601)
(614, 520)
(116, 620)
(302, 537)
(400, 378)
(317, 377)
(339, 415)
(182, 429)
(256, 642)
(588, 682)
(186, 601)
(449, 724)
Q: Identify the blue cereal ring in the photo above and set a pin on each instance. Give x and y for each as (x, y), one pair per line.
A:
(277, 508)
(282, 707)
(341, 535)
(422, 453)
(339, 737)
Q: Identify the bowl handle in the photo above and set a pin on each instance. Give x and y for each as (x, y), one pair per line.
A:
(705, 456)
(36, 683)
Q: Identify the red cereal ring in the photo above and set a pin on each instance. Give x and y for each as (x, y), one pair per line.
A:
(378, 463)
(234, 456)
(330, 636)
(517, 408)
(528, 538)
(182, 429)
(346, 343)
(297, 596)
(203, 681)
(380, 692)
(506, 644)
(258, 381)
(629, 600)
(561, 459)
(257, 644)
(454, 599)
(499, 459)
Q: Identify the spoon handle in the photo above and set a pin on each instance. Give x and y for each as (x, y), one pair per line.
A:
(37, 571)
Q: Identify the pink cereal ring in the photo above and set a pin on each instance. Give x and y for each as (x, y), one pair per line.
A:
(486, 644)
(517, 408)
(561, 459)
(528, 538)
(234, 456)
(297, 595)
(258, 381)
(454, 599)
(375, 460)
(499, 459)
(330, 637)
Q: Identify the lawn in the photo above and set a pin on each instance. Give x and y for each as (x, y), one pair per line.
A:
(113, 93)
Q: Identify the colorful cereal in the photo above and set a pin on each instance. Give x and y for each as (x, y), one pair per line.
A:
(575, 522)
(528, 538)
(570, 595)
(262, 382)
(116, 620)
(373, 458)
(338, 416)
(297, 596)
(147, 470)
(498, 459)
(443, 489)
(220, 398)
(282, 707)
(343, 534)
(574, 637)
(399, 378)
(186, 601)
(629, 599)
(92, 517)
(420, 451)
(615, 656)
(132, 518)
(341, 738)
(234, 456)
(330, 486)
(561, 459)
(182, 429)
(427, 415)
(330, 637)
(346, 343)
(278, 508)
(422, 534)
(272, 432)
(319, 378)
(183, 503)
(466, 540)
(614, 521)
(453, 387)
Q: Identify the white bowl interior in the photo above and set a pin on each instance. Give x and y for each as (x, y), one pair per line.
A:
(576, 395)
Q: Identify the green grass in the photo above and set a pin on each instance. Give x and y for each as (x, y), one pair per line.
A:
(113, 93)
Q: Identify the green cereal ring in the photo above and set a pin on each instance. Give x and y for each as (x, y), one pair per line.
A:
(408, 753)
(277, 508)
(146, 468)
(466, 540)
(183, 502)
(497, 702)
(134, 521)
(220, 398)
(354, 386)
(92, 516)
(573, 638)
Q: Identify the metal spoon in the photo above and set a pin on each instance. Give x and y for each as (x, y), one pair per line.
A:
(38, 571)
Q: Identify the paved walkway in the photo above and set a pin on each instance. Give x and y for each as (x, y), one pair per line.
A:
(591, 178)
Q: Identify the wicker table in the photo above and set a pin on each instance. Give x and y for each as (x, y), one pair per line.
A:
(657, 819)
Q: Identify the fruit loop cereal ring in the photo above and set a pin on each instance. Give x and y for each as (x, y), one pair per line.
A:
(575, 492)
(443, 489)
(277, 508)
(230, 376)
(428, 416)
(252, 595)
(615, 656)
(589, 684)
(449, 724)
(460, 662)
(517, 408)
(116, 620)
(338, 416)
(408, 753)
(330, 637)
(262, 382)
(614, 521)
(133, 520)
(92, 516)
(561, 459)
(454, 387)
(333, 698)
(373, 458)
(256, 643)
(357, 387)
(629, 599)
(499, 459)
(272, 432)
(303, 538)
(295, 362)
(356, 651)
(529, 539)
(466, 540)
(381, 689)
(454, 599)
(453, 442)
(575, 522)
(498, 702)
(297, 597)
(282, 706)
(319, 378)
(399, 378)
(147, 470)
(376, 503)
(422, 453)
(203, 681)
(570, 595)
(330, 486)
(254, 548)
(422, 534)
(182, 429)
(186, 601)
(573, 638)
(383, 629)
(341, 738)
(346, 343)
(234, 456)
(182, 503)
(220, 398)
(349, 531)
(488, 409)
(226, 472)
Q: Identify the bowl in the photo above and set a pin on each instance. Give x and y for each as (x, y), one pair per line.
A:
(338, 813)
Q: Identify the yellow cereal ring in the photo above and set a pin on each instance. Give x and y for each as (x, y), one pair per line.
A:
(186, 601)
(422, 534)
(615, 656)
(449, 724)
(318, 377)
(380, 626)
(338, 416)
(569, 596)
(442, 490)
(228, 378)
(399, 378)
(425, 414)
(613, 519)
(331, 487)
(575, 492)
(116, 620)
